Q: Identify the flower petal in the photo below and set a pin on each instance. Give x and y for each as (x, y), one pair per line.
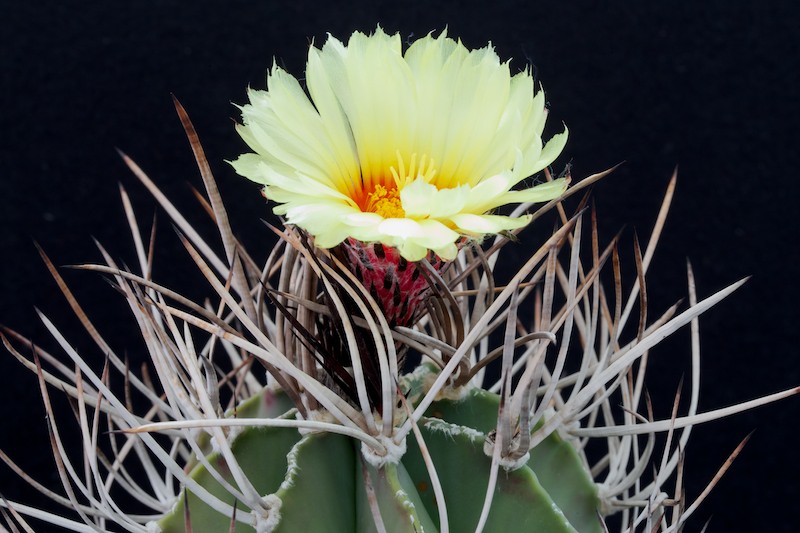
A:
(483, 224)
(552, 149)
(539, 193)
(421, 199)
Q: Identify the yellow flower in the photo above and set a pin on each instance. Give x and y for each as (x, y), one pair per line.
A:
(413, 150)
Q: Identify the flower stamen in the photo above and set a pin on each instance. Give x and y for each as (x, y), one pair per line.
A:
(385, 202)
(426, 170)
(384, 199)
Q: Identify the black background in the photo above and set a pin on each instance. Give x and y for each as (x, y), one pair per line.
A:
(711, 87)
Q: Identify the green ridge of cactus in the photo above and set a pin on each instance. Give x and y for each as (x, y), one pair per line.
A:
(554, 461)
(261, 452)
(318, 493)
(322, 483)
(400, 505)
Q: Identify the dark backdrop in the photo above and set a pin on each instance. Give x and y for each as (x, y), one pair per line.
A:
(711, 87)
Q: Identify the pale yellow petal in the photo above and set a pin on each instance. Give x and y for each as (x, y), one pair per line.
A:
(553, 148)
(539, 193)
(429, 233)
(421, 199)
(418, 198)
(484, 195)
(483, 224)
(447, 252)
(331, 237)
(436, 234)
(249, 166)
(333, 119)
(410, 250)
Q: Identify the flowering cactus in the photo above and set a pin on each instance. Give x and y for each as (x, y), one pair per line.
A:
(412, 150)
(379, 370)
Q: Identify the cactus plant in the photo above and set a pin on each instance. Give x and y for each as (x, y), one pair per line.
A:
(380, 370)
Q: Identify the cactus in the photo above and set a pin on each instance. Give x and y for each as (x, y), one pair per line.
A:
(328, 469)
(376, 385)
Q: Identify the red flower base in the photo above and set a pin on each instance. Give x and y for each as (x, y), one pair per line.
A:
(397, 285)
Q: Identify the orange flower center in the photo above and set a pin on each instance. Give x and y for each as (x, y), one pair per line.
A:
(384, 198)
(385, 202)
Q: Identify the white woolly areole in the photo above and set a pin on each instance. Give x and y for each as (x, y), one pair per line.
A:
(266, 520)
(394, 452)
(153, 527)
(508, 463)
(448, 392)
(454, 394)
(233, 433)
(176, 504)
(604, 497)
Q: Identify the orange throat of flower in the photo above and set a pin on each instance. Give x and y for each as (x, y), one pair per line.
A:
(382, 196)
(385, 202)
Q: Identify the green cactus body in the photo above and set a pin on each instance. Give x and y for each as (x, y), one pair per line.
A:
(320, 482)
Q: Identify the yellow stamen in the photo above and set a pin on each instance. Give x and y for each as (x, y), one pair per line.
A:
(384, 199)
(385, 202)
(424, 170)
